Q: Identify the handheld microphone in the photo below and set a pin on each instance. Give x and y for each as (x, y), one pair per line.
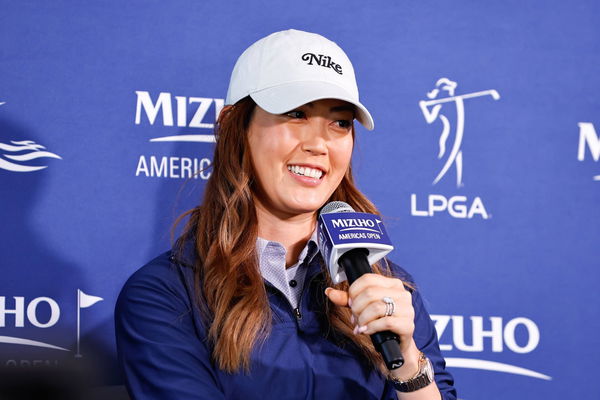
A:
(350, 243)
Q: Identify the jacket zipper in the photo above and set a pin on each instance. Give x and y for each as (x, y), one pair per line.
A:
(296, 311)
(306, 287)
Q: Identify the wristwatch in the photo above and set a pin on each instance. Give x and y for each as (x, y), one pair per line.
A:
(423, 378)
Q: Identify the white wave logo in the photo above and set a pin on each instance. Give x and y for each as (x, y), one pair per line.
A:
(493, 366)
(29, 150)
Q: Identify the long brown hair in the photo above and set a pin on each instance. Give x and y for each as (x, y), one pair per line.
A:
(230, 290)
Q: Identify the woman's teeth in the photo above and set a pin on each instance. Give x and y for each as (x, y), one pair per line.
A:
(306, 171)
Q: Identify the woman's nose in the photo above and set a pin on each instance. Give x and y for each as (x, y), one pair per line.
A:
(314, 138)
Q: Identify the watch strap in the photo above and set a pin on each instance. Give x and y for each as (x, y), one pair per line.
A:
(423, 378)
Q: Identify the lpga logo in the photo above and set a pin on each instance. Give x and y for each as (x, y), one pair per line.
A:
(456, 206)
(29, 312)
(436, 104)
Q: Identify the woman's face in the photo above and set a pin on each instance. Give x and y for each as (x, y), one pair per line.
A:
(300, 157)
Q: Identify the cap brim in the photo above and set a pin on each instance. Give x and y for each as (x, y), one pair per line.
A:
(286, 97)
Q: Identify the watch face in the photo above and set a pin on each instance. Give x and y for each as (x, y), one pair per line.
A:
(429, 370)
(423, 378)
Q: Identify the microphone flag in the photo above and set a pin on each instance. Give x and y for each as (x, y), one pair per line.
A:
(339, 232)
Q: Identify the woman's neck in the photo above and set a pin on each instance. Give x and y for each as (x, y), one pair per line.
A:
(292, 232)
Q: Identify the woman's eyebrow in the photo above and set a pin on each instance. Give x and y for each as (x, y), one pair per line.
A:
(343, 108)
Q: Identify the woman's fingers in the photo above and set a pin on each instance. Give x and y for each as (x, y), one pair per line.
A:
(369, 309)
(403, 327)
(365, 299)
(374, 280)
(337, 297)
(375, 294)
(377, 310)
(374, 311)
(371, 287)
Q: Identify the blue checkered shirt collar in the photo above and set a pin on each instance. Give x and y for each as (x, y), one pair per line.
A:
(289, 281)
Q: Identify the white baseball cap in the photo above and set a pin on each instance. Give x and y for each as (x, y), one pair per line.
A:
(290, 68)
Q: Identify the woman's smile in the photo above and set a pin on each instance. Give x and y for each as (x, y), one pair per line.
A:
(309, 175)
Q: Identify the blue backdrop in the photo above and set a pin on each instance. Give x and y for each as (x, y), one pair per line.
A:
(484, 162)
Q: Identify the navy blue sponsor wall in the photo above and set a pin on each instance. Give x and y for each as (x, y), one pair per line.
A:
(483, 162)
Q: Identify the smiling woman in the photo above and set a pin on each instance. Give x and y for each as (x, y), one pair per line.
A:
(243, 306)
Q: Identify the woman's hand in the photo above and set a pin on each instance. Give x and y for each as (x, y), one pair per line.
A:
(365, 299)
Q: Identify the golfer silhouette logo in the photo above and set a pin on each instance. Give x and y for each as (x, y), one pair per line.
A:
(432, 110)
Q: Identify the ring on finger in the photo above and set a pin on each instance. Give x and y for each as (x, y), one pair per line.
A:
(390, 306)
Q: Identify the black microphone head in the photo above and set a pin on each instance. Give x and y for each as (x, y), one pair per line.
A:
(336, 207)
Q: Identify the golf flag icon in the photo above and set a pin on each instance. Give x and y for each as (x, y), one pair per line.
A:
(83, 301)
(86, 300)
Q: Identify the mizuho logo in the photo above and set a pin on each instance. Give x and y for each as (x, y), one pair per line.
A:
(163, 105)
(500, 336)
(360, 224)
(174, 112)
(587, 135)
(323, 61)
(22, 311)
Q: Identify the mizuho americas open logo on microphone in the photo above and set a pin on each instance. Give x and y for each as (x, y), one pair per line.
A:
(24, 312)
(446, 110)
(367, 228)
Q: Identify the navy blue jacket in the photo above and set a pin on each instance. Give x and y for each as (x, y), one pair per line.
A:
(161, 342)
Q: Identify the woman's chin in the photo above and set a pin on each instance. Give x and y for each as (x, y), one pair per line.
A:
(306, 207)
(289, 204)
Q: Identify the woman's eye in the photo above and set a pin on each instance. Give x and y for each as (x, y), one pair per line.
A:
(296, 114)
(344, 123)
